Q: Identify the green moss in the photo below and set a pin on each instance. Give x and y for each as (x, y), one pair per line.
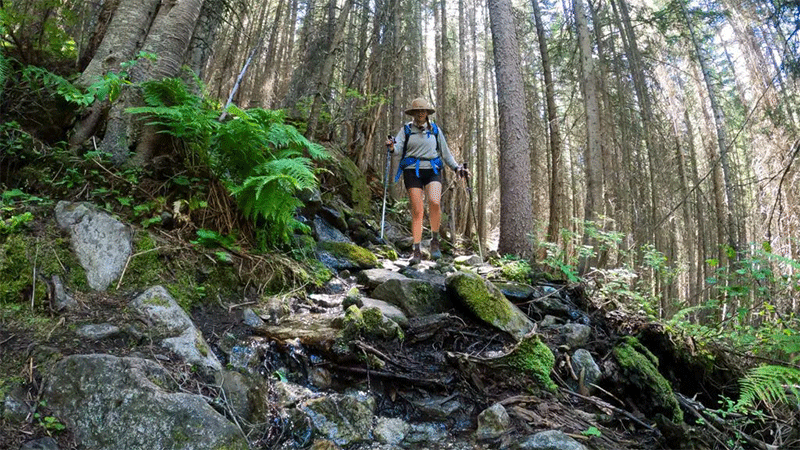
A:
(487, 304)
(639, 368)
(201, 347)
(144, 268)
(16, 271)
(518, 270)
(533, 357)
(358, 255)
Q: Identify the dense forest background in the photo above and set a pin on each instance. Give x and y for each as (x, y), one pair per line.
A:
(647, 147)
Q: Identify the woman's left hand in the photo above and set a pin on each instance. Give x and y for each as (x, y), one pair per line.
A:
(462, 171)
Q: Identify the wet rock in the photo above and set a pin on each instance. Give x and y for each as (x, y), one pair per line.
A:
(45, 443)
(422, 433)
(62, 300)
(516, 292)
(273, 309)
(112, 403)
(325, 232)
(334, 217)
(550, 305)
(96, 332)
(586, 369)
(390, 430)
(252, 319)
(343, 419)
(492, 422)
(176, 330)
(549, 440)
(244, 357)
(438, 408)
(576, 335)
(415, 297)
(289, 395)
(484, 300)
(373, 278)
(245, 395)
(320, 378)
(101, 243)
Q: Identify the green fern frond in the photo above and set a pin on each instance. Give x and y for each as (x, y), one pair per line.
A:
(770, 384)
(169, 92)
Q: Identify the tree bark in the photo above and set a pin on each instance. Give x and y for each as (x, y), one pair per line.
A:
(516, 219)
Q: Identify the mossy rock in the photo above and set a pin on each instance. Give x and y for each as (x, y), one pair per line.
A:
(344, 255)
(639, 367)
(486, 301)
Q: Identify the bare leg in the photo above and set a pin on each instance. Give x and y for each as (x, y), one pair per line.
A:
(433, 191)
(417, 210)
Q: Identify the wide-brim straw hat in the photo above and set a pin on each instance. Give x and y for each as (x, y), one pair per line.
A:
(420, 103)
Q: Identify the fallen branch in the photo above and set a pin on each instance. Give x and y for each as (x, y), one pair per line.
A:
(606, 405)
(393, 376)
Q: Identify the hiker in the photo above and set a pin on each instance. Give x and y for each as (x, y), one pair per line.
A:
(423, 153)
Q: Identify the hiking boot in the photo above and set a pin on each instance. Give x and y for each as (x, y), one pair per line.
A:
(436, 252)
(416, 258)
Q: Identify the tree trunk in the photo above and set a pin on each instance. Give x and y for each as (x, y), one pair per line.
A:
(557, 202)
(721, 135)
(516, 219)
(326, 76)
(593, 153)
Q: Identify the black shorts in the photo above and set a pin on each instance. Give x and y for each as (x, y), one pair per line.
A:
(426, 176)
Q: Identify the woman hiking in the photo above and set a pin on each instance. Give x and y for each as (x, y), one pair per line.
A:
(423, 152)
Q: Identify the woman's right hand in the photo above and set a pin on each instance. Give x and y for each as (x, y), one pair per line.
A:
(390, 143)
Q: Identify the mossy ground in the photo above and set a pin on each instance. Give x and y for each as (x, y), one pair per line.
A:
(533, 357)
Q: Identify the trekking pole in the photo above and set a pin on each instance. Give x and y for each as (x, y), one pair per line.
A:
(474, 217)
(386, 181)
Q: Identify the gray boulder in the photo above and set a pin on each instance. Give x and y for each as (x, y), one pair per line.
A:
(344, 419)
(586, 369)
(492, 422)
(415, 297)
(176, 330)
(373, 278)
(101, 243)
(390, 430)
(113, 403)
(576, 334)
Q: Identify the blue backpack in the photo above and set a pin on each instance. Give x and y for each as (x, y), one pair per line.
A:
(436, 163)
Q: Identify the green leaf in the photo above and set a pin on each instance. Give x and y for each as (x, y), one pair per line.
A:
(591, 431)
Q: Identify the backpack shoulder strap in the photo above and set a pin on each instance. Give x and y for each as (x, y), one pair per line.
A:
(407, 129)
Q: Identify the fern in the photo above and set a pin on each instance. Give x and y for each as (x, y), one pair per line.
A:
(262, 160)
(769, 384)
